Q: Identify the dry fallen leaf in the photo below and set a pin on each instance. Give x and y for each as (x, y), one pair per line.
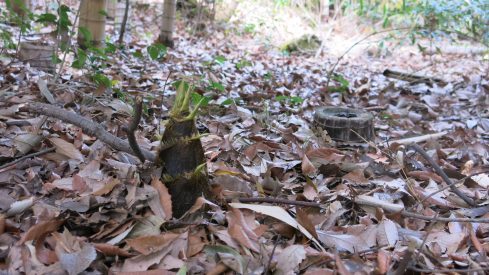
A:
(76, 262)
(65, 148)
(278, 213)
(288, 261)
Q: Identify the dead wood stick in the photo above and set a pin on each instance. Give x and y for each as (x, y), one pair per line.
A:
(441, 219)
(416, 139)
(440, 172)
(35, 154)
(415, 78)
(447, 270)
(278, 201)
(131, 136)
(319, 205)
(89, 127)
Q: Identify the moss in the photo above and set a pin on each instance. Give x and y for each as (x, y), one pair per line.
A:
(306, 43)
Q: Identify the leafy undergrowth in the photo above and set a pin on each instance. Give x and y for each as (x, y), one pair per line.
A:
(80, 206)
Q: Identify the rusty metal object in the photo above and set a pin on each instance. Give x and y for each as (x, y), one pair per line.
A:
(345, 124)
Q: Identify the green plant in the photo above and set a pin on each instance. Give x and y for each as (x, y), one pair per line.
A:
(249, 28)
(220, 60)
(157, 51)
(243, 63)
(344, 84)
(216, 86)
(429, 18)
(19, 16)
(291, 100)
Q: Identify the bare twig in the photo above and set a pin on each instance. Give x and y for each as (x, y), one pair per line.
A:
(440, 172)
(35, 154)
(277, 241)
(131, 136)
(278, 201)
(413, 78)
(89, 127)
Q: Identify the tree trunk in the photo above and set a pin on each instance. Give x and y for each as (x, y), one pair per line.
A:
(168, 23)
(93, 21)
(324, 10)
(124, 22)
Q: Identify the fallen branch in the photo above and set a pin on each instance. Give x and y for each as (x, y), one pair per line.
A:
(448, 270)
(35, 154)
(131, 136)
(441, 173)
(277, 201)
(89, 127)
(413, 78)
(417, 139)
(441, 219)
(372, 203)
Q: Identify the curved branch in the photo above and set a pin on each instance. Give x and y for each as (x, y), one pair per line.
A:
(131, 136)
(89, 127)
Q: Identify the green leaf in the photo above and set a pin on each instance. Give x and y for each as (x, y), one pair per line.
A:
(64, 20)
(196, 98)
(157, 51)
(268, 76)
(101, 79)
(220, 60)
(217, 86)
(55, 59)
(79, 62)
(46, 18)
(110, 48)
(343, 82)
(228, 101)
(281, 98)
(296, 100)
(137, 54)
(86, 34)
(243, 63)
(421, 48)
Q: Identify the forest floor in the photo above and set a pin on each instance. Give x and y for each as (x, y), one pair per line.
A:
(80, 206)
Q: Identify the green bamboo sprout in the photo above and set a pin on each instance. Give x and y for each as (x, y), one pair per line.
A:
(181, 154)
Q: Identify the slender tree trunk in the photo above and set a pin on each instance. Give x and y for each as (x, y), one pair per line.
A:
(168, 23)
(324, 10)
(124, 22)
(93, 22)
